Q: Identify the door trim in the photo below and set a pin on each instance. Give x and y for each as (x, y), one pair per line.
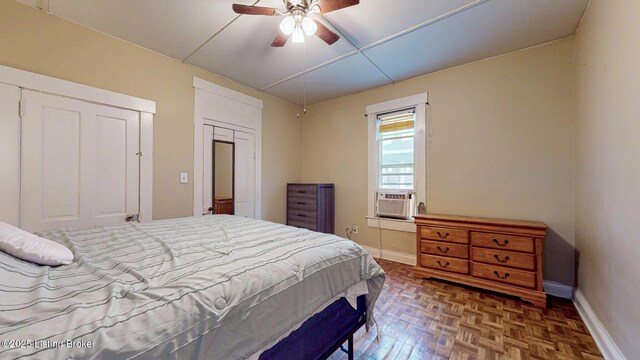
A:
(252, 125)
(51, 85)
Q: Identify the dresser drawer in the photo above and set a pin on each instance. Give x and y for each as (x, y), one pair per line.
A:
(302, 215)
(444, 234)
(504, 258)
(502, 242)
(504, 275)
(303, 224)
(444, 249)
(302, 203)
(303, 191)
(445, 263)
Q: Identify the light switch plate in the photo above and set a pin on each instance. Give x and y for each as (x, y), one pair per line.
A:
(184, 178)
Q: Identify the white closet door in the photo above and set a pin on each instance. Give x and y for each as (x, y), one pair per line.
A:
(9, 154)
(245, 174)
(207, 181)
(80, 163)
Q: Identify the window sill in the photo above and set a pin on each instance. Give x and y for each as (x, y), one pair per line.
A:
(391, 224)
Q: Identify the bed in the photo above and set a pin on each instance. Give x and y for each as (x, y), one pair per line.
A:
(212, 287)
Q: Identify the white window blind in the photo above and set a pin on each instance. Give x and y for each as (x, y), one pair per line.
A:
(396, 139)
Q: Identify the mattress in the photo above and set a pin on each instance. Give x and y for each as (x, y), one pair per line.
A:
(148, 290)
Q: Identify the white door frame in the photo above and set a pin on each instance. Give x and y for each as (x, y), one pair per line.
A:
(147, 108)
(251, 124)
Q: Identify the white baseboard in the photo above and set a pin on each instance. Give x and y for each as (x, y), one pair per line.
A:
(396, 256)
(608, 348)
(557, 289)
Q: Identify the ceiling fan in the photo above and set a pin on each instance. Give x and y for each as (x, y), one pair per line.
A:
(297, 22)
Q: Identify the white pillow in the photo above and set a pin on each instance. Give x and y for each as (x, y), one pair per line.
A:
(32, 248)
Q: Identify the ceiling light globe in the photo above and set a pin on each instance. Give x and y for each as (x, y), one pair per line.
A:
(309, 26)
(287, 25)
(298, 36)
(295, 2)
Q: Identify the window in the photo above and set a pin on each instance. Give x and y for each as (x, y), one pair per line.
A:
(396, 138)
(397, 153)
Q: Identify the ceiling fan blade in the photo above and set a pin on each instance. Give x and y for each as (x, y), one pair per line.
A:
(280, 40)
(325, 34)
(333, 5)
(255, 10)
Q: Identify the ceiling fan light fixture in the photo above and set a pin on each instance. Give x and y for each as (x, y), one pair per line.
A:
(295, 2)
(288, 25)
(298, 36)
(309, 26)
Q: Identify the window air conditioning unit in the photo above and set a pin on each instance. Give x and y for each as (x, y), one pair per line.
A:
(394, 204)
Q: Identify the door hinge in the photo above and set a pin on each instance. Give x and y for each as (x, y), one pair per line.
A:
(21, 108)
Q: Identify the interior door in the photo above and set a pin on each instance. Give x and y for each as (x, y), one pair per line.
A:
(80, 163)
(9, 154)
(245, 177)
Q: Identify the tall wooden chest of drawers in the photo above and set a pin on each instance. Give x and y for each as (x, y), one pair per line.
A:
(311, 206)
(499, 255)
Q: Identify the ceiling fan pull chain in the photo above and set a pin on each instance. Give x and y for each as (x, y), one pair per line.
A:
(304, 79)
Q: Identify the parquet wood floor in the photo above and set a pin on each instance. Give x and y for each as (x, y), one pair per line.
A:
(436, 320)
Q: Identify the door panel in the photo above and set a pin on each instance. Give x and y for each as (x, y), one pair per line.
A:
(60, 164)
(9, 154)
(80, 163)
(244, 174)
(116, 163)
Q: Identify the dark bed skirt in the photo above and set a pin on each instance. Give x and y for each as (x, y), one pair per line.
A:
(322, 334)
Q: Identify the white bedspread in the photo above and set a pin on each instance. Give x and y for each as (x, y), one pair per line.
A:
(219, 285)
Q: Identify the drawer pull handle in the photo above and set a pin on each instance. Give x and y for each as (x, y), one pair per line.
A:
(446, 235)
(505, 243)
(302, 215)
(445, 264)
(506, 258)
(506, 275)
(446, 250)
(301, 192)
(301, 203)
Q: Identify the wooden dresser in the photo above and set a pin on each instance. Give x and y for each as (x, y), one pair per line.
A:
(493, 254)
(311, 206)
(223, 206)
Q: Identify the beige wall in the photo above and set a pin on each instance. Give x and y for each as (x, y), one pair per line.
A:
(35, 41)
(501, 146)
(608, 167)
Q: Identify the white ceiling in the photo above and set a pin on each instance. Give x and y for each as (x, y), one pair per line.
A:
(382, 42)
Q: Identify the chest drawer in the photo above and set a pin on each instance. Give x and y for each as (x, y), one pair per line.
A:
(444, 234)
(502, 242)
(302, 215)
(504, 275)
(504, 258)
(302, 191)
(308, 203)
(445, 263)
(444, 249)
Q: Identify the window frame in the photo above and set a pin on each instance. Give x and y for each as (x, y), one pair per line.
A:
(419, 102)
(380, 140)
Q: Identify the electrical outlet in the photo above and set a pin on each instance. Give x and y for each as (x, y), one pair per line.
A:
(184, 178)
(354, 227)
